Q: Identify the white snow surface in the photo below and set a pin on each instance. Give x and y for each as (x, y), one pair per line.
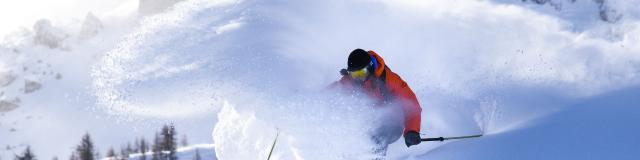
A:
(538, 82)
(187, 152)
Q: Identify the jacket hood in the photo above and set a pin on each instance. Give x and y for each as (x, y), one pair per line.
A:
(380, 63)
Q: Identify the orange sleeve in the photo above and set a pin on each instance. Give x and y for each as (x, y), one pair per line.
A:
(407, 99)
(344, 81)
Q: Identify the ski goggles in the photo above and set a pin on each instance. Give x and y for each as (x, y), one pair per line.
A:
(360, 74)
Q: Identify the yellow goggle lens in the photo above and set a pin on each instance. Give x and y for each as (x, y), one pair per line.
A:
(359, 74)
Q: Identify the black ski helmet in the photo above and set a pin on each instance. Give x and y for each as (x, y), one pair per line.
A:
(358, 59)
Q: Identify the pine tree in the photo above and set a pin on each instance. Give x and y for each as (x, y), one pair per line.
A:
(155, 148)
(197, 156)
(169, 141)
(143, 149)
(111, 154)
(184, 140)
(173, 146)
(124, 154)
(26, 155)
(85, 150)
(136, 146)
(129, 149)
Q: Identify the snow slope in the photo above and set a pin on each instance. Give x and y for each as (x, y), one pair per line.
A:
(514, 71)
(599, 127)
(45, 96)
(476, 66)
(205, 151)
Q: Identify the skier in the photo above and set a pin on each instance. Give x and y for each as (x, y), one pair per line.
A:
(367, 73)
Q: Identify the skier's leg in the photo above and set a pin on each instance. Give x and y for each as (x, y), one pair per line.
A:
(388, 130)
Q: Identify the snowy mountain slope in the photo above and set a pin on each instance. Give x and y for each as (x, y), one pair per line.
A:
(472, 73)
(52, 117)
(600, 127)
(601, 18)
(498, 67)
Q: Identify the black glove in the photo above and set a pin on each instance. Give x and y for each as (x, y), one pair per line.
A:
(344, 72)
(412, 138)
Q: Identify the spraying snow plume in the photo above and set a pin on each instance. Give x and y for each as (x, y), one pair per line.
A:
(264, 63)
(319, 128)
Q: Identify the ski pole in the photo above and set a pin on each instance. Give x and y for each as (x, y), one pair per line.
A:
(274, 144)
(450, 138)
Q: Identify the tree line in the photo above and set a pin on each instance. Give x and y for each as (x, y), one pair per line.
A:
(162, 147)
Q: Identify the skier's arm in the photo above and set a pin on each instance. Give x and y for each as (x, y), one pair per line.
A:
(412, 110)
(343, 81)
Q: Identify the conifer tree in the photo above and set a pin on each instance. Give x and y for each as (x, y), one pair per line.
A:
(184, 141)
(111, 153)
(129, 149)
(124, 154)
(143, 149)
(168, 142)
(155, 148)
(85, 150)
(26, 155)
(136, 146)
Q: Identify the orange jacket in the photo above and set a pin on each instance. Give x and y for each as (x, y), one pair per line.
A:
(388, 87)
